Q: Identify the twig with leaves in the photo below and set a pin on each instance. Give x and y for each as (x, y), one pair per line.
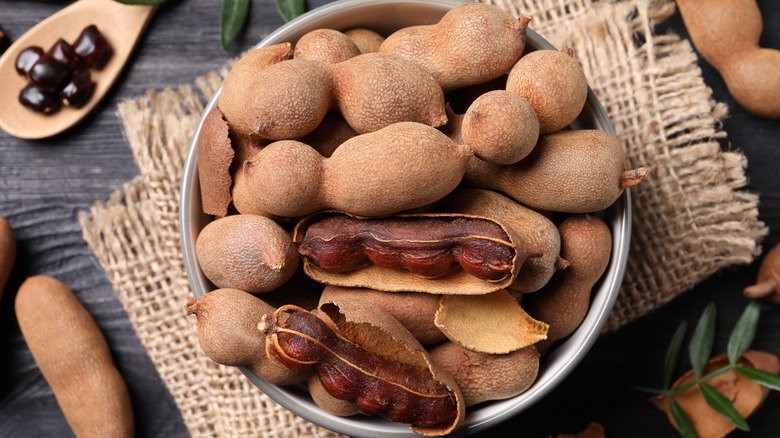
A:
(758, 367)
(234, 14)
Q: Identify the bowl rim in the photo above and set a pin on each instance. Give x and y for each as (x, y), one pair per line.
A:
(559, 363)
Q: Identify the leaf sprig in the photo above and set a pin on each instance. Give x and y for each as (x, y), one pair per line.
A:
(699, 350)
(234, 14)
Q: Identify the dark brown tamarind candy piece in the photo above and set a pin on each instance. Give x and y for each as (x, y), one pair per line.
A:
(379, 385)
(426, 246)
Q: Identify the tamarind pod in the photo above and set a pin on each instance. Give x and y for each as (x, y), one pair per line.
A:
(380, 385)
(429, 247)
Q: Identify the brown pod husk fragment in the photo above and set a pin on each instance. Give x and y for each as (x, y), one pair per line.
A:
(482, 377)
(768, 278)
(537, 232)
(215, 156)
(227, 332)
(415, 310)
(745, 394)
(372, 358)
(393, 279)
(465, 320)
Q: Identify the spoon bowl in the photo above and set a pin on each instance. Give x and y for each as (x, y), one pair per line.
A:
(120, 24)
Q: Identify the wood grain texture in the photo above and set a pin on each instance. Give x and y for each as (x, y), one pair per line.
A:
(45, 183)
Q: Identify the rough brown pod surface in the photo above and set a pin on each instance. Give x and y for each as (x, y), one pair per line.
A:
(74, 358)
(482, 377)
(247, 252)
(215, 156)
(579, 171)
(326, 45)
(471, 44)
(367, 40)
(227, 333)
(586, 243)
(553, 83)
(243, 77)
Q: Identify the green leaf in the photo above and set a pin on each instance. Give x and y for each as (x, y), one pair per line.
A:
(290, 9)
(234, 14)
(744, 331)
(764, 378)
(702, 339)
(673, 354)
(722, 405)
(684, 425)
(141, 2)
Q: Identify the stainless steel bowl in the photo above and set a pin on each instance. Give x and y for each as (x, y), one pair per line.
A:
(384, 17)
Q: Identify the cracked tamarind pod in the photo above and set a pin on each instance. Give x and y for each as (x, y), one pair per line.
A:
(433, 253)
(363, 354)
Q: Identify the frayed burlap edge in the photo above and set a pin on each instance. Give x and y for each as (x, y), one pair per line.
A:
(690, 219)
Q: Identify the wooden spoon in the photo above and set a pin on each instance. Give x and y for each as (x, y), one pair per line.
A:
(120, 24)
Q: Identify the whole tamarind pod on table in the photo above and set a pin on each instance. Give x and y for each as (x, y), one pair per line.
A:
(7, 252)
(402, 166)
(580, 171)
(74, 358)
(433, 253)
(289, 99)
(227, 333)
(372, 359)
(471, 44)
(768, 278)
(538, 233)
(586, 243)
(726, 34)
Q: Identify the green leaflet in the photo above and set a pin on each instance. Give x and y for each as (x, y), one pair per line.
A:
(703, 337)
(771, 381)
(290, 9)
(233, 17)
(684, 425)
(744, 331)
(722, 405)
(673, 354)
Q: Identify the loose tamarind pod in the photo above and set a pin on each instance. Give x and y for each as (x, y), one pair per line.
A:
(402, 166)
(580, 171)
(482, 377)
(586, 243)
(414, 310)
(74, 358)
(227, 333)
(471, 44)
(768, 278)
(326, 45)
(537, 232)
(233, 97)
(7, 252)
(372, 359)
(433, 253)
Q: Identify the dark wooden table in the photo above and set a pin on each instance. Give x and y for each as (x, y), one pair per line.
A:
(44, 184)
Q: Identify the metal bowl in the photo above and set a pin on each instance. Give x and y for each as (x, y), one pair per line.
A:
(385, 17)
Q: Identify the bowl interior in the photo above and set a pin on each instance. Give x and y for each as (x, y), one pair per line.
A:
(384, 17)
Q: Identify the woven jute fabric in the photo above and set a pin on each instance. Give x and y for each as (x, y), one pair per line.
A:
(691, 217)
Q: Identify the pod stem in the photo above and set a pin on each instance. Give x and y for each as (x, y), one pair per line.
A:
(633, 177)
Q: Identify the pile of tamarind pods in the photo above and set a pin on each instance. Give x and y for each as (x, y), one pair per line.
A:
(405, 223)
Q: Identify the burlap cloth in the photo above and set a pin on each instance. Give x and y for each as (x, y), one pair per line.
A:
(690, 218)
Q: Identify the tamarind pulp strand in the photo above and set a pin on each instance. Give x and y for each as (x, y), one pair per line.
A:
(428, 247)
(399, 391)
